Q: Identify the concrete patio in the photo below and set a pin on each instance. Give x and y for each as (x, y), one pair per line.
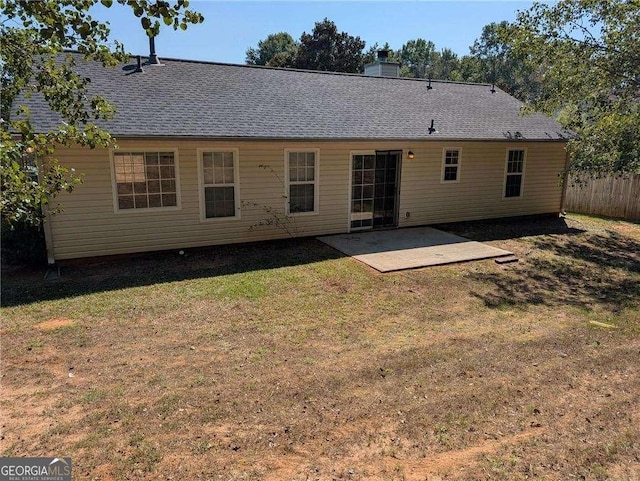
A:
(398, 249)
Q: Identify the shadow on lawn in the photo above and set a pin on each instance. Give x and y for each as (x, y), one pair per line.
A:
(577, 270)
(511, 228)
(113, 273)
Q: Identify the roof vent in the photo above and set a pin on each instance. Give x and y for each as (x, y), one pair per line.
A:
(493, 88)
(139, 64)
(153, 58)
(429, 87)
(382, 67)
(432, 129)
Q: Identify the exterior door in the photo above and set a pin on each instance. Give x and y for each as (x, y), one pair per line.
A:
(375, 190)
(385, 191)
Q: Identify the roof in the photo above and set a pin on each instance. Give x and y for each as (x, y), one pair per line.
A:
(184, 98)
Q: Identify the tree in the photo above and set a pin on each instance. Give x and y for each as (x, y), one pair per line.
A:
(472, 69)
(416, 56)
(499, 64)
(33, 37)
(591, 54)
(371, 55)
(445, 65)
(329, 50)
(277, 50)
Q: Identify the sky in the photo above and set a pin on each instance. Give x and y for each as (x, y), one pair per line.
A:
(230, 27)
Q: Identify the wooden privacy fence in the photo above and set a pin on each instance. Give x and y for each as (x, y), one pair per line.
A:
(609, 196)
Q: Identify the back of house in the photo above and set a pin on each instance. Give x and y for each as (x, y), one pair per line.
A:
(211, 153)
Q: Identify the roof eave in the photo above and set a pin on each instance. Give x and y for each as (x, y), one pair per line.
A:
(343, 139)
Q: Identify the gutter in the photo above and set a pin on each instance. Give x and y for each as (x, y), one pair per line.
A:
(334, 139)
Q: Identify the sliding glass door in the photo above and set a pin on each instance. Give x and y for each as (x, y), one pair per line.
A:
(375, 189)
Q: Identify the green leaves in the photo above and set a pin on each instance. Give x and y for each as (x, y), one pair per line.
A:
(590, 53)
(153, 13)
(327, 49)
(27, 181)
(415, 56)
(33, 62)
(277, 50)
(324, 49)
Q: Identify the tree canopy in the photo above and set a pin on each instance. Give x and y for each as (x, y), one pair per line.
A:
(590, 56)
(371, 54)
(33, 37)
(277, 50)
(415, 56)
(327, 49)
(445, 65)
(498, 63)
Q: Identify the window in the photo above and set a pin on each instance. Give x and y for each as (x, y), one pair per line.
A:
(145, 180)
(514, 174)
(451, 165)
(218, 173)
(302, 181)
(363, 181)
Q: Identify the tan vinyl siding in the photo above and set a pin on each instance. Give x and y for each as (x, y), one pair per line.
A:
(479, 193)
(89, 225)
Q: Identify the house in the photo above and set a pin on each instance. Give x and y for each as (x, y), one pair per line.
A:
(212, 153)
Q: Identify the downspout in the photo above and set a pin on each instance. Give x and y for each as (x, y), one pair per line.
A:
(48, 235)
(565, 181)
(46, 223)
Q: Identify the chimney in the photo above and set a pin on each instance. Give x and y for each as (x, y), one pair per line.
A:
(382, 67)
(153, 58)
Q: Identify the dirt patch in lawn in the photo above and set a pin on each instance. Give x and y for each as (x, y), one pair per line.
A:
(234, 364)
(53, 324)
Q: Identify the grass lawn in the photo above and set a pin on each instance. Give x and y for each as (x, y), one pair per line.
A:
(288, 361)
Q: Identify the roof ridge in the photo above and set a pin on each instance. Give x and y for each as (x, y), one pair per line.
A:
(299, 70)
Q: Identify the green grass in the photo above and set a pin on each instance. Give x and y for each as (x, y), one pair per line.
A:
(286, 360)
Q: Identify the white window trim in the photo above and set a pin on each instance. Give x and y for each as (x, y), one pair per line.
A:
(459, 165)
(145, 210)
(316, 182)
(506, 166)
(351, 154)
(236, 185)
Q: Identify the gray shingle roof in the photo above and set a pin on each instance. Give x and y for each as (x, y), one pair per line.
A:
(199, 99)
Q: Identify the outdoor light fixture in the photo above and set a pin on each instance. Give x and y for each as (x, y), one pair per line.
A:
(410, 155)
(30, 150)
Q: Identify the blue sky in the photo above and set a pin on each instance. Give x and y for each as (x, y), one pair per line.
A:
(231, 27)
